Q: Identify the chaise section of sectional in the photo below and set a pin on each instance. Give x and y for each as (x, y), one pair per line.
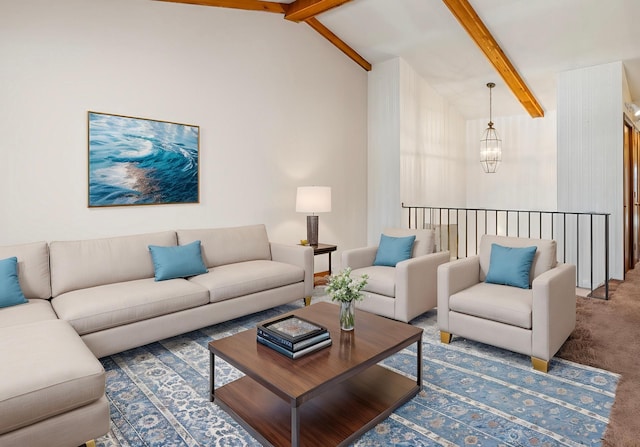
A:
(53, 388)
(52, 391)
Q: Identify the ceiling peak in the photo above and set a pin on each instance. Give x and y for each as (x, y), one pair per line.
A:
(302, 10)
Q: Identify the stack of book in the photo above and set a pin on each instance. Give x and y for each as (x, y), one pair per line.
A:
(293, 336)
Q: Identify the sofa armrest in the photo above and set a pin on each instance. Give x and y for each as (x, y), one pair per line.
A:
(453, 277)
(301, 256)
(416, 285)
(554, 310)
(357, 258)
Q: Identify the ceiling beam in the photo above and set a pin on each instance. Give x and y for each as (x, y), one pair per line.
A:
(302, 10)
(251, 5)
(471, 22)
(346, 49)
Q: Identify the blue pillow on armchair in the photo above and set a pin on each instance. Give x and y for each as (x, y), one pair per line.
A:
(10, 291)
(392, 250)
(511, 266)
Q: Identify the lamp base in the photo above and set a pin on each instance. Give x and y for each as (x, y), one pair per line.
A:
(312, 230)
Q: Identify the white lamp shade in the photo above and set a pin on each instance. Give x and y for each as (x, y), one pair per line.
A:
(313, 199)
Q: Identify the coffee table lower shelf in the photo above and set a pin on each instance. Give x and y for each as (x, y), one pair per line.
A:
(335, 417)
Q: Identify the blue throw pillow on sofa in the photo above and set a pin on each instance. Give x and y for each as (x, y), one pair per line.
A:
(10, 291)
(392, 250)
(510, 266)
(177, 261)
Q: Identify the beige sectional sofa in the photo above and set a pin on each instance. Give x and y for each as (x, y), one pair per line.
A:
(91, 298)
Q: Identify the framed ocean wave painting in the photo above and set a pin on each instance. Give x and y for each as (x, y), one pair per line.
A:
(139, 161)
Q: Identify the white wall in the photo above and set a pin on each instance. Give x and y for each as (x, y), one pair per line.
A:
(416, 147)
(526, 178)
(590, 150)
(432, 149)
(384, 149)
(278, 107)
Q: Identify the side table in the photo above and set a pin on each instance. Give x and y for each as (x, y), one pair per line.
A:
(321, 249)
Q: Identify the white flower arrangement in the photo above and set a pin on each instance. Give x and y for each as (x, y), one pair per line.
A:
(342, 287)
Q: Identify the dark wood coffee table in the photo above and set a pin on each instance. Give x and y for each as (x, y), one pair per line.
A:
(327, 398)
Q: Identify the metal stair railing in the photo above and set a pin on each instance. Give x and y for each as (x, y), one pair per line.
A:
(582, 237)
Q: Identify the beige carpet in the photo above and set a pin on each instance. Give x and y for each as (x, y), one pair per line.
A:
(607, 336)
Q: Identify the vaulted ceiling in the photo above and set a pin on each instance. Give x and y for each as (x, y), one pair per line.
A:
(458, 46)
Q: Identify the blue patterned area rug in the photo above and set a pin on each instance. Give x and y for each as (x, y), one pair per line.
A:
(473, 395)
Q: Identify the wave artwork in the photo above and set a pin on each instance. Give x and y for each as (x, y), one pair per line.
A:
(136, 161)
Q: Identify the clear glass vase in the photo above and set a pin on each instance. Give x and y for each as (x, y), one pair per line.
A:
(347, 315)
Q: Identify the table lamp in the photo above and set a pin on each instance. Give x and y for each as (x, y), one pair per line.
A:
(313, 199)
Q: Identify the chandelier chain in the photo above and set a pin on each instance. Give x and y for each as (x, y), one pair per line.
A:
(490, 85)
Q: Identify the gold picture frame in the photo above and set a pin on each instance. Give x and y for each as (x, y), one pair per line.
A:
(141, 161)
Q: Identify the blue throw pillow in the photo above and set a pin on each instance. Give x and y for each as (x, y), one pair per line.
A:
(10, 291)
(177, 261)
(510, 266)
(392, 250)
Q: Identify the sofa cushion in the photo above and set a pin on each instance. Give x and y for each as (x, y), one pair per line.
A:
(545, 258)
(102, 307)
(46, 370)
(179, 261)
(382, 280)
(94, 262)
(424, 244)
(243, 278)
(34, 310)
(511, 266)
(33, 268)
(10, 291)
(221, 246)
(392, 250)
(509, 305)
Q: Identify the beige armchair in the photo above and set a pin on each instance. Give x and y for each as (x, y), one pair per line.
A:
(534, 321)
(405, 291)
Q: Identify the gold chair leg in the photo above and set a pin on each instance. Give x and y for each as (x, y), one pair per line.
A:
(307, 300)
(445, 337)
(91, 443)
(540, 365)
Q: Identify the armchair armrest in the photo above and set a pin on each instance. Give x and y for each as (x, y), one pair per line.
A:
(298, 255)
(554, 310)
(416, 284)
(357, 258)
(453, 277)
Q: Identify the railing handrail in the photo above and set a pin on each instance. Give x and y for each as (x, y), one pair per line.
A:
(552, 226)
(461, 208)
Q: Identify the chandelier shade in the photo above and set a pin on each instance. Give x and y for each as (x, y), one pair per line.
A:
(490, 144)
(490, 150)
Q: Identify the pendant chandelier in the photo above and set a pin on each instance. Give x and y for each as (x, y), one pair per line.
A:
(490, 144)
